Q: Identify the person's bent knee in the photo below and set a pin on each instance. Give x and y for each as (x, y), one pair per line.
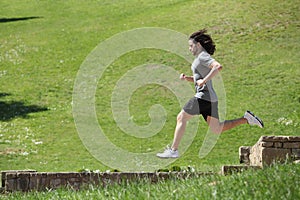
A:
(216, 129)
(214, 125)
(183, 116)
(180, 116)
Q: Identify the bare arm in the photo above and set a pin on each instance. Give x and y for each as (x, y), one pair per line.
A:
(187, 78)
(215, 68)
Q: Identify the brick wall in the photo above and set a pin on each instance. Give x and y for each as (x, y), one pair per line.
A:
(32, 180)
(270, 149)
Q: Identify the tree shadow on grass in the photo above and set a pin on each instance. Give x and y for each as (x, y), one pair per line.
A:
(5, 20)
(13, 109)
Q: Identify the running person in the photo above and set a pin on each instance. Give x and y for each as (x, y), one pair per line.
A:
(205, 101)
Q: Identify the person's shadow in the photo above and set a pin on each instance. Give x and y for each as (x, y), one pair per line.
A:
(13, 109)
(14, 19)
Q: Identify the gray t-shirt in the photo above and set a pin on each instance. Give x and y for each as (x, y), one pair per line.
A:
(200, 68)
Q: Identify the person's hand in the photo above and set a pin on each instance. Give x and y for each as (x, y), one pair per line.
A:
(182, 76)
(200, 82)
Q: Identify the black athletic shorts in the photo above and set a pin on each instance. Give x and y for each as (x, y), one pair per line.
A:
(196, 106)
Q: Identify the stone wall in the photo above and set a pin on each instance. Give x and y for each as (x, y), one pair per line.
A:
(270, 149)
(32, 180)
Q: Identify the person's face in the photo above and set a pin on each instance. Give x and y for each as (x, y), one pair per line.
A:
(195, 48)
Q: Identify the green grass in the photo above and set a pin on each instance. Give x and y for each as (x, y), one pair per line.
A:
(257, 43)
(277, 182)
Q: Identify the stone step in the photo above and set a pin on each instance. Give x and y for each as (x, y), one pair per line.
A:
(28, 181)
(230, 169)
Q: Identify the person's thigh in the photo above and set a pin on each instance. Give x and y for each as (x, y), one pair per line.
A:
(214, 124)
(184, 116)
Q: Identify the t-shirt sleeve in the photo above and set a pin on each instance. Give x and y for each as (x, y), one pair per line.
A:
(206, 60)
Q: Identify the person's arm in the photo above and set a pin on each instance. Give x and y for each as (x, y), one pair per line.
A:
(215, 68)
(187, 78)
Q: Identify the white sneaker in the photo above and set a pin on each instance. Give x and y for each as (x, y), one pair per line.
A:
(253, 120)
(168, 153)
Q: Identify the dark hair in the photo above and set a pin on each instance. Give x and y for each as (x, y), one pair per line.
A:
(205, 40)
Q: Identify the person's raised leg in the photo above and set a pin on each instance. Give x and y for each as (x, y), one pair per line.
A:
(218, 127)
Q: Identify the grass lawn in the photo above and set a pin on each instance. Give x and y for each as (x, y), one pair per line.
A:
(44, 43)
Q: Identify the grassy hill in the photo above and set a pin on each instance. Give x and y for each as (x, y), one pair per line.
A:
(44, 43)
